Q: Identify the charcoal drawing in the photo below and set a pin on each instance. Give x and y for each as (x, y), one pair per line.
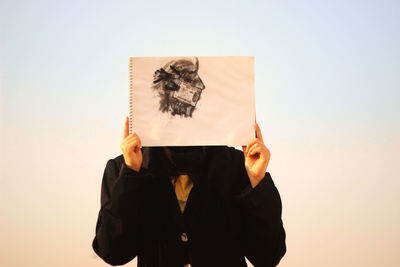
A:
(179, 86)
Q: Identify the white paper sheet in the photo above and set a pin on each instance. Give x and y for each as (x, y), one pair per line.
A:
(186, 101)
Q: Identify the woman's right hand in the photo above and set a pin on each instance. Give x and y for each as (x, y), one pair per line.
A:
(130, 147)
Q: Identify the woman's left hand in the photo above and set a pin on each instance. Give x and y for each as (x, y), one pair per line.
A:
(256, 156)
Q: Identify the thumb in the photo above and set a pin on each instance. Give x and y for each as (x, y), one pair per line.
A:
(126, 127)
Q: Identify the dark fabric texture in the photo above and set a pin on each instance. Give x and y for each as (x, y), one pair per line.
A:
(187, 159)
(224, 219)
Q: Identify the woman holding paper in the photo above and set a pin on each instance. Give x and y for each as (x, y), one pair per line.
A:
(190, 206)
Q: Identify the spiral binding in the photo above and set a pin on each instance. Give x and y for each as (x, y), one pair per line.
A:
(130, 94)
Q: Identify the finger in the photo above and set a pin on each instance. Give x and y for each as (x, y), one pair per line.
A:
(132, 136)
(263, 149)
(244, 148)
(135, 141)
(255, 150)
(133, 146)
(126, 128)
(129, 139)
(132, 139)
(258, 132)
(252, 143)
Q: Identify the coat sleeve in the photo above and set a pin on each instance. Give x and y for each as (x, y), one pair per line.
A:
(263, 233)
(117, 239)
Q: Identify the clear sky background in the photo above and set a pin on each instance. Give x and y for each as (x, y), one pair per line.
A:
(327, 99)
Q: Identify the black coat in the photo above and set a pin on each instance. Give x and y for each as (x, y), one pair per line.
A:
(223, 221)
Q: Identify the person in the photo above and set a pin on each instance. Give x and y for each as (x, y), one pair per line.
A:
(189, 206)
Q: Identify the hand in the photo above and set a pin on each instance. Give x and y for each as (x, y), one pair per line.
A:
(256, 158)
(130, 147)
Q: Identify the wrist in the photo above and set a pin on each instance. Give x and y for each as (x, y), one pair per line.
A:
(255, 181)
(132, 166)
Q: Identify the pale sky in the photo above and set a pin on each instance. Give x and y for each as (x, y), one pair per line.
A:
(327, 99)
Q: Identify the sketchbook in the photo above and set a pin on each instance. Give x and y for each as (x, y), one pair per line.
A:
(190, 101)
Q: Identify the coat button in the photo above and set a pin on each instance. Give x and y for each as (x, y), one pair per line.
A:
(184, 237)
